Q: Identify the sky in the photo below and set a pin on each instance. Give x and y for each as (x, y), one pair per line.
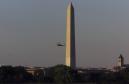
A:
(30, 30)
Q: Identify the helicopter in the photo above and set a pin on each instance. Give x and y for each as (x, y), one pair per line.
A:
(60, 44)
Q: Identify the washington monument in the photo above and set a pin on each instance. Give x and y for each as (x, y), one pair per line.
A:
(70, 38)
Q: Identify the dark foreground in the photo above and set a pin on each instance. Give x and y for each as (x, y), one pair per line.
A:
(62, 75)
(64, 83)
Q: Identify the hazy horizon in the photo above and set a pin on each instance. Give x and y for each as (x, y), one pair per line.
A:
(30, 30)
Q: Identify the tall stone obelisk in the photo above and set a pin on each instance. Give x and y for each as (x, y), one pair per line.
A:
(70, 38)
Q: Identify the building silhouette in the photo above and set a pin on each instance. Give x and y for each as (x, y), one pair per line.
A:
(120, 61)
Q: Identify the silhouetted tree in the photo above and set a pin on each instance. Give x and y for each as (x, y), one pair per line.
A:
(62, 74)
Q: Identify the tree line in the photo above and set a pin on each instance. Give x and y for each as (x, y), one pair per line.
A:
(61, 74)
